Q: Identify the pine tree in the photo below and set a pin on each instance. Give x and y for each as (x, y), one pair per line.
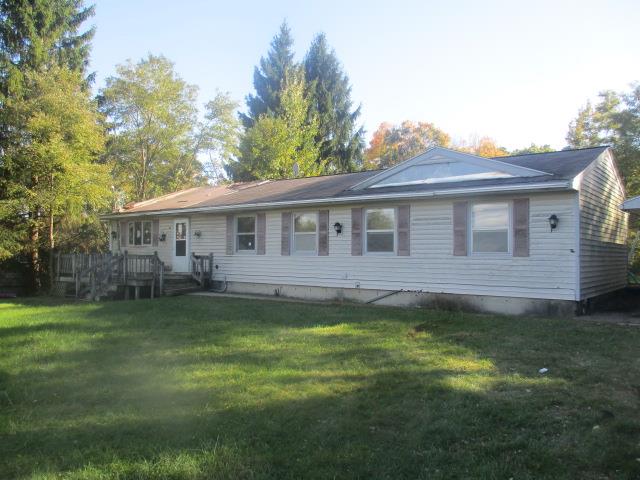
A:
(282, 144)
(269, 77)
(341, 140)
(36, 34)
(36, 37)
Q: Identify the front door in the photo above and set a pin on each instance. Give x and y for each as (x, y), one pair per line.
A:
(181, 245)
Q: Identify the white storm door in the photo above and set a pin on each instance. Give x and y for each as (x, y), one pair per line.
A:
(180, 245)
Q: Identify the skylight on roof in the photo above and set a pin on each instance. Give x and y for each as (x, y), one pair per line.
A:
(439, 173)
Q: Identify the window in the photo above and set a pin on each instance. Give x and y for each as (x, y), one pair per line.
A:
(139, 233)
(381, 230)
(490, 227)
(246, 234)
(439, 173)
(305, 233)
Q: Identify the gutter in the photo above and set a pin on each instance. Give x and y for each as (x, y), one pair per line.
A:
(545, 186)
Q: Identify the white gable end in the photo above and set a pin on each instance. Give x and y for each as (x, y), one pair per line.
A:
(439, 165)
(439, 172)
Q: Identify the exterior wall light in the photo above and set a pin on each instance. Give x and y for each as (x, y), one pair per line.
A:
(553, 222)
(197, 233)
(163, 237)
(338, 228)
(114, 235)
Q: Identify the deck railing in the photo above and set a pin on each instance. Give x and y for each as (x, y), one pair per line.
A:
(94, 273)
(202, 268)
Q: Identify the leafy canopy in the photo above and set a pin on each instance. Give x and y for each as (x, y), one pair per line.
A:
(282, 144)
(391, 144)
(47, 123)
(282, 87)
(152, 118)
(51, 161)
(615, 121)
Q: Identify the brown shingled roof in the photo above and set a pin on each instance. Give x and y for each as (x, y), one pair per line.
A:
(557, 165)
(253, 192)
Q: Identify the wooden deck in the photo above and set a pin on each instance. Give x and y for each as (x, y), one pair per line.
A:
(95, 276)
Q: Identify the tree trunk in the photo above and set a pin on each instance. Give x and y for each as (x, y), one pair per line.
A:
(34, 256)
(34, 242)
(143, 183)
(52, 244)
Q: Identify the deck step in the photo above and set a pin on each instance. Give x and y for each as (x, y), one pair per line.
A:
(172, 292)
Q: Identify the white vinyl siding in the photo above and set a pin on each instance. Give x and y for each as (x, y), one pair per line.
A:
(603, 230)
(549, 271)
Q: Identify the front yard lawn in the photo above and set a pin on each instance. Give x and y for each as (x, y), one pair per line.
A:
(194, 387)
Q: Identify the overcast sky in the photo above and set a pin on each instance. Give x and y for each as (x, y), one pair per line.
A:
(514, 70)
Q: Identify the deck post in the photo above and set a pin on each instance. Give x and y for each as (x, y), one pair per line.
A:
(202, 273)
(126, 267)
(161, 286)
(210, 268)
(154, 272)
(137, 292)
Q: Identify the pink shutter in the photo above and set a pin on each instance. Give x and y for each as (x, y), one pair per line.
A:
(404, 230)
(356, 231)
(323, 232)
(286, 234)
(230, 235)
(261, 233)
(521, 227)
(460, 228)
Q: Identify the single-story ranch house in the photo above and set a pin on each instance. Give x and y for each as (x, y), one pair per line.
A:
(537, 233)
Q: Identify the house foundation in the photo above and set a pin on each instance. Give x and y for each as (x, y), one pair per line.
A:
(443, 301)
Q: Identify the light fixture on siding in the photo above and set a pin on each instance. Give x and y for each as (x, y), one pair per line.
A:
(553, 221)
(338, 228)
(114, 235)
(163, 237)
(197, 233)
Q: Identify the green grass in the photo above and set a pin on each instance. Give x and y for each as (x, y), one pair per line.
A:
(199, 388)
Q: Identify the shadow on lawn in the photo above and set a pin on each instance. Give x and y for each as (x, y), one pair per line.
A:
(153, 396)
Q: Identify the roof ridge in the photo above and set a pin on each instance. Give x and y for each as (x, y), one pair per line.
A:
(553, 151)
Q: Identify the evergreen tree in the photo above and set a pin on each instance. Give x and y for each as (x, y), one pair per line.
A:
(35, 34)
(341, 140)
(269, 77)
(36, 37)
(282, 144)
